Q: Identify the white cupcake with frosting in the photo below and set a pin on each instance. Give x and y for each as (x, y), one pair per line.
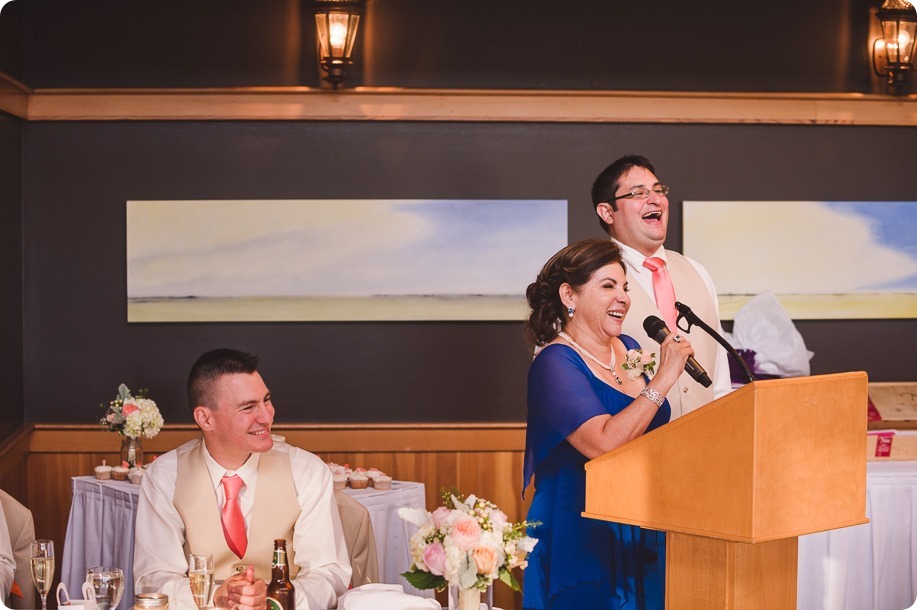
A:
(359, 480)
(103, 472)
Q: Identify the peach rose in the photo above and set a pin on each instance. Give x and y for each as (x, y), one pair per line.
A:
(129, 408)
(465, 533)
(486, 559)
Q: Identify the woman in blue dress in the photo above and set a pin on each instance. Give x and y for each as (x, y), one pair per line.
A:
(583, 403)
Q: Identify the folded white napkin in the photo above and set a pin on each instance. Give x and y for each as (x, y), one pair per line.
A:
(378, 596)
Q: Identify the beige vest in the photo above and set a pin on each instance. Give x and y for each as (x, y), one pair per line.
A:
(686, 395)
(22, 532)
(274, 515)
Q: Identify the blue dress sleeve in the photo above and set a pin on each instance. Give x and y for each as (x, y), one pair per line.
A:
(561, 398)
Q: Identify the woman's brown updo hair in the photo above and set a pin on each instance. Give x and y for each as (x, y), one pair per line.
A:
(573, 265)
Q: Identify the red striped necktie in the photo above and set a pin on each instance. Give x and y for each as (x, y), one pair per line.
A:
(233, 521)
(665, 293)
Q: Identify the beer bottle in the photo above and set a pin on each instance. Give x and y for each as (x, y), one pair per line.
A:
(280, 593)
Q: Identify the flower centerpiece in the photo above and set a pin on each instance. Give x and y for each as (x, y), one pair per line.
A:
(637, 363)
(132, 417)
(465, 544)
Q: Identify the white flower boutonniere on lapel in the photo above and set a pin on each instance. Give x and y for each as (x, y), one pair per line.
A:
(637, 363)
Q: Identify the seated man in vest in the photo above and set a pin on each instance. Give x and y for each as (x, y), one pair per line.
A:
(633, 208)
(231, 493)
(7, 561)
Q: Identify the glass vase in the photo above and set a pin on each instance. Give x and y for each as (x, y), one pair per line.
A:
(470, 599)
(131, 452)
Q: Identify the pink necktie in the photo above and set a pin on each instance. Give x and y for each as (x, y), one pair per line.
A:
(233, 521)
(665, 293)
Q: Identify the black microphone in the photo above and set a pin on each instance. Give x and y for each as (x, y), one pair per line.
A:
(691, 318)
(656, 329)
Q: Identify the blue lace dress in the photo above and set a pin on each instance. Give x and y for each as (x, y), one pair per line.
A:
(580, 563)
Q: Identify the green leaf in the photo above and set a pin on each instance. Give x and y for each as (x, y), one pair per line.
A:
(424, 580)
(123, 392)
(507, 577)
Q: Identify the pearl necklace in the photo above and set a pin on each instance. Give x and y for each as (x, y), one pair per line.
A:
(609, 367)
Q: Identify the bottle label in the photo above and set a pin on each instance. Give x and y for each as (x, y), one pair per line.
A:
(273, 604)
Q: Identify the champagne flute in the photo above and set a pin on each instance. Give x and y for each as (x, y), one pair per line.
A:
(107, 585)
(42, 564)
(200, 573)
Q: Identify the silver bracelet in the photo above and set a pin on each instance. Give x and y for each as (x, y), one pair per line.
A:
(653, 395)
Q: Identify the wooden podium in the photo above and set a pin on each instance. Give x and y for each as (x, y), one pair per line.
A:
(734, 484)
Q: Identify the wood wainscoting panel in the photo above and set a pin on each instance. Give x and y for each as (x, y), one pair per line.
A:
(50, 490)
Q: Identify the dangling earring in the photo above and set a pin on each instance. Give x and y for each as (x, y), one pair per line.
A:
(570, 311)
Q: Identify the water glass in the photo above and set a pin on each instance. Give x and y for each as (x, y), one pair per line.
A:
(107, 585)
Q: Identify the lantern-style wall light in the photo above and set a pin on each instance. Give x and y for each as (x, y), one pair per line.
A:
(336, 23)
(892, 55)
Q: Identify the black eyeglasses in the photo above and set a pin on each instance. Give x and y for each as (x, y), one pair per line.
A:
(644, 193)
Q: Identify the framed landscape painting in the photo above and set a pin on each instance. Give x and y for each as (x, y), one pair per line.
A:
(822, 259)
(334, 260)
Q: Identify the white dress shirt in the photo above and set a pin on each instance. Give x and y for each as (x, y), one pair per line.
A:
(636, 272)
(318, 541)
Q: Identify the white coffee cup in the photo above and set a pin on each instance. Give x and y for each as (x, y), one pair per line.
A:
(87, 603)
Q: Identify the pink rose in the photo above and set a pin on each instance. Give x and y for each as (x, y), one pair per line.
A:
(498, 517)
(465, 533)
(434, 557)
(439, 516)
(129, 408)
(486, 559)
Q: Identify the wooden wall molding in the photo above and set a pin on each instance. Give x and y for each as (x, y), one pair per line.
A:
(453, 105)
(14, 96)
(15, 450)
(339, 438)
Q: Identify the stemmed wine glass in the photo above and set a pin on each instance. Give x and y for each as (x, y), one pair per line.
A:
(200, 573)
(42, 564)
(107, 584)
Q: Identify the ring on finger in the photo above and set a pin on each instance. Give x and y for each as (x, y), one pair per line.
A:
(677, 338)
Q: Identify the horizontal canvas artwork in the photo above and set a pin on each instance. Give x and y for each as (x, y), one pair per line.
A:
(841, 260)
(337, 260)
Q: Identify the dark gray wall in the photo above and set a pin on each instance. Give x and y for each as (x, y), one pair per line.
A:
(11, 412)
(716, 45)
(77, 177)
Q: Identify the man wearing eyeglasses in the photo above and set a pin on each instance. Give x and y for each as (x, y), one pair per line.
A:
(633, 208)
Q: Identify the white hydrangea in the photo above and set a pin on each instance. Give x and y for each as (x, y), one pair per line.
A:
(143, 421)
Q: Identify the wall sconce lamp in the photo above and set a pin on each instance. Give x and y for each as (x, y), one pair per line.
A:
(336, 22)
(892, 54)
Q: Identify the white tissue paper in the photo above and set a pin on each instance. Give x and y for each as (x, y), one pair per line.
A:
(378, 596)
(762, 325)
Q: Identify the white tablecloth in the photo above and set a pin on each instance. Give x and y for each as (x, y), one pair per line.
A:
(866, 566)
(100, 530)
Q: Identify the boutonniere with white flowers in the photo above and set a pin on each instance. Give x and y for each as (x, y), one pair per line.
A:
(637, 363)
